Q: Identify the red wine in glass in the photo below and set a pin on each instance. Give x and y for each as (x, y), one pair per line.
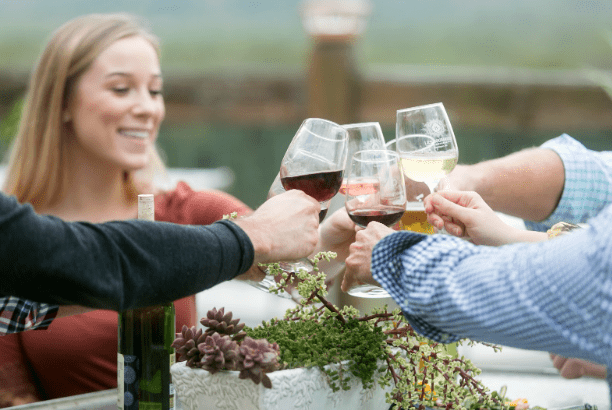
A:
(322, 186)
(386, 216)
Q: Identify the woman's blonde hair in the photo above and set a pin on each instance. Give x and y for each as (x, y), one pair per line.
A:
(37, 171)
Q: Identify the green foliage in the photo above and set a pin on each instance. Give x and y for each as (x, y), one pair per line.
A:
(10, 124)
(377, 348)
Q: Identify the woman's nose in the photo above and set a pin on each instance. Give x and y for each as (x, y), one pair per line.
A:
(145, 104)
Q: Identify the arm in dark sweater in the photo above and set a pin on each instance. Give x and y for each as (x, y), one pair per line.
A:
(115, 265)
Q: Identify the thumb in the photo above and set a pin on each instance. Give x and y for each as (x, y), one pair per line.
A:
(447, 208)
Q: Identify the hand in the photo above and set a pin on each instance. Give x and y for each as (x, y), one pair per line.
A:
(359, 261)
(255, 273)
(285, 227)
(461, 178)
(465, 214)
(571, 368)
(336, 234)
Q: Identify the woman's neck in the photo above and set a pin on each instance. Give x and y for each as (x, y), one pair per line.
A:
(94, 192)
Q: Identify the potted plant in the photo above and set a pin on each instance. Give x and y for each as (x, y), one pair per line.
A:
(321, 356)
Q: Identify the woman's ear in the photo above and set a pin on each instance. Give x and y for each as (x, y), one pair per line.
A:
(66, 117)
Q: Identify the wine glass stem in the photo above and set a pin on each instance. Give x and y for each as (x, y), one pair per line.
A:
(432, 184)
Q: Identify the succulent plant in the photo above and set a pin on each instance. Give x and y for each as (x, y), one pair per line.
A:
(186, 345)
(256, 358)
(222, 323)
(218, 353)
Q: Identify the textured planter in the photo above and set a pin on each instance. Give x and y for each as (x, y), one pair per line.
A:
(294, 389)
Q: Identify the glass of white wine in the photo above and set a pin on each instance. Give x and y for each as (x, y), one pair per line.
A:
(414, 218)
(426, 144)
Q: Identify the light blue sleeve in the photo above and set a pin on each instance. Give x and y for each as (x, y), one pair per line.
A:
(588, 183)
(553, 296)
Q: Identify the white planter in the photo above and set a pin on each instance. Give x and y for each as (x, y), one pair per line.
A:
(294, 389)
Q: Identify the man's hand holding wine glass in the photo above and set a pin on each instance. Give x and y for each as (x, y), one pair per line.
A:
(285, 227)
(359, 262)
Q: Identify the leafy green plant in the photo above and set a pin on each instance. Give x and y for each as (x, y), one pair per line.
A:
(378, 348)
(10, 123)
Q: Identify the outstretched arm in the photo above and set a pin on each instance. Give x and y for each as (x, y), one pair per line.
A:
(127, 264)
(527, 184)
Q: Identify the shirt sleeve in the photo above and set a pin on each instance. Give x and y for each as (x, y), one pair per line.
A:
(588, 183)
(553, 296)
(18, 315)
(116, 265)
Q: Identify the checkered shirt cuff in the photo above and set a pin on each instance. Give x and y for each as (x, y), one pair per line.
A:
(588, 183)
(17, 315)
(409, 276)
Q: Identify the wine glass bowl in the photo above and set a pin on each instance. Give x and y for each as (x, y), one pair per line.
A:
(426, 143)
(362, 136)
(375, 191)
(315, 160)
(375, 188)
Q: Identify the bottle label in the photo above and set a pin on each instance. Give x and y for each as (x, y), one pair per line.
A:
(143, 405)
(120, 388)
(127, 382)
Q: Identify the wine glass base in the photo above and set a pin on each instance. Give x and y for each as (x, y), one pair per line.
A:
(289, 267)
(264, 286)
(368, 291)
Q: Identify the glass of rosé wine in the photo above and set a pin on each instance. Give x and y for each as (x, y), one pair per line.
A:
(375, 192)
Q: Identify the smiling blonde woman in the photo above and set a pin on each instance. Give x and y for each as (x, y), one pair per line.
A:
(84, 150)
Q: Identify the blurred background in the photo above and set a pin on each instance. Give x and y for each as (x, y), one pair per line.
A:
(240, 76)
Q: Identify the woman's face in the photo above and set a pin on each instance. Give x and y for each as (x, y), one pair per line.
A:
(117, 106)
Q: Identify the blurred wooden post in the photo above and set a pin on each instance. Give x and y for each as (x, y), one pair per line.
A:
(333, 86)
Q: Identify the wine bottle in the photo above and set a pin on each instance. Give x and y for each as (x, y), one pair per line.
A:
(145, 338)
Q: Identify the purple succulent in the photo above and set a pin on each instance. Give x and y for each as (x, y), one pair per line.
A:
(218, 353)
(186, 345)
(256, 358)
(222, 323)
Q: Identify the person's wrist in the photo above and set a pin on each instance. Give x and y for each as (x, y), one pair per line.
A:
(261, 246)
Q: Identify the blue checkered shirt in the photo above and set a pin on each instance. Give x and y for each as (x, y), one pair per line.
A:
(553, 296)
(17, 315)
(588, 183)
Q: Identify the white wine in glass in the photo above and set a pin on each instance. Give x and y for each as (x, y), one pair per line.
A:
(426, 143)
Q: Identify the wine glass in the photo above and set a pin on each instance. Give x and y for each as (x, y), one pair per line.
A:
(313, 163)
(426, 143)
(375, 191)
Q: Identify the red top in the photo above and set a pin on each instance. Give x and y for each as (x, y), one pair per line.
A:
(78, 354)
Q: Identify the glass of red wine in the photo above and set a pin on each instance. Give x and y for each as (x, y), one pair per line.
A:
(313, 163)
(375, 191)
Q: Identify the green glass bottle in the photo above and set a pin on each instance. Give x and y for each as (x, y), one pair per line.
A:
(145, 339)
(128, 360)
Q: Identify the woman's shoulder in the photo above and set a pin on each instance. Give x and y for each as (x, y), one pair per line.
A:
(187, 206)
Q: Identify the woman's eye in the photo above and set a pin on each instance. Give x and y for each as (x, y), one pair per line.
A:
(120, 90)
(155, 92)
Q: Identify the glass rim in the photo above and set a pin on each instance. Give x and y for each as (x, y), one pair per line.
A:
(361, 124)
(340, 128)
(420, 107)
(389, 155)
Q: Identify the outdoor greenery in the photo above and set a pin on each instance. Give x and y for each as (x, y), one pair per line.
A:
(378, 348)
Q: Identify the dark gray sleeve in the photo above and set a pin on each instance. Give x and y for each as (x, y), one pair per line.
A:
(115, 265)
